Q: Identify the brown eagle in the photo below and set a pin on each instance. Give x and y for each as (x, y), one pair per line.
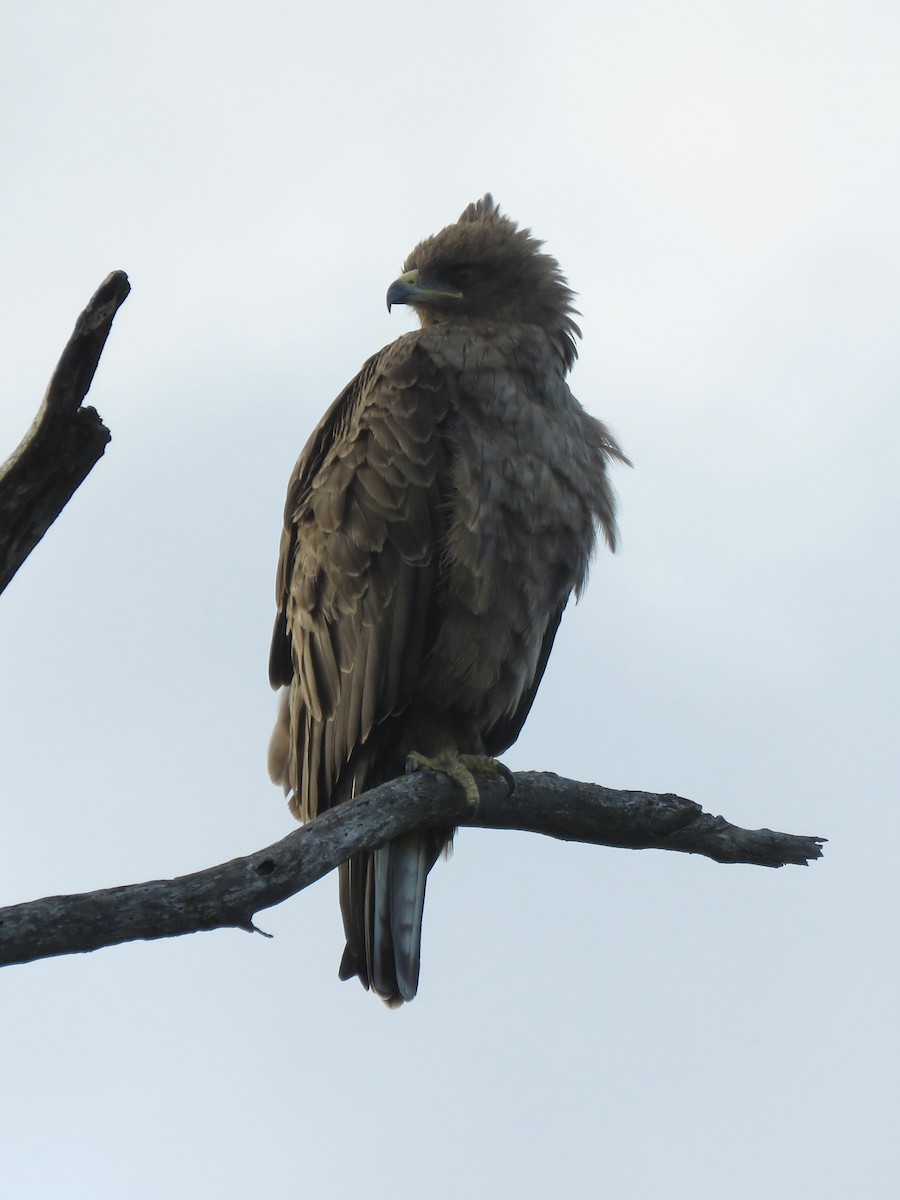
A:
(439, 518)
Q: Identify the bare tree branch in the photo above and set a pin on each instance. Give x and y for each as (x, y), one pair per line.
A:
(64, 441)
(229, 895)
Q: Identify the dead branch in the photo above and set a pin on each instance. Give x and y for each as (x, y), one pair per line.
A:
(65, 440)
(228, 896)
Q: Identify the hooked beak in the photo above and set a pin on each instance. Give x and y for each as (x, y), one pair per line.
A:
(406, 290)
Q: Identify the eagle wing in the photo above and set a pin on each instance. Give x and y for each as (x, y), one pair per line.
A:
(357, 578)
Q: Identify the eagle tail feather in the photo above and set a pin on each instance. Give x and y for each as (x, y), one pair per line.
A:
(399, 872)
(411, 860)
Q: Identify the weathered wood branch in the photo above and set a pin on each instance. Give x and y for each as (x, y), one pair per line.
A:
(229, 895)
(65, 439)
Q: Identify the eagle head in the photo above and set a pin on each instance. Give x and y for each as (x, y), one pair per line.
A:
(484, 270)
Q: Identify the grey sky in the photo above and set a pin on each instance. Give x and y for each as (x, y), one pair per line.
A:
(721, 185)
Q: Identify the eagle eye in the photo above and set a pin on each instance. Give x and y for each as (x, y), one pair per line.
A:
(464, 275)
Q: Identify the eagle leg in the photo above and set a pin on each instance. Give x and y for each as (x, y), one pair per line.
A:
(461, 768)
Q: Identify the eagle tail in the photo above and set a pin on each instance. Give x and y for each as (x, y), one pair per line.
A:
(382, 901)
(400, 873)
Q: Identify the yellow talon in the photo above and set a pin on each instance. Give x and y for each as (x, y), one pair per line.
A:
(460, 768)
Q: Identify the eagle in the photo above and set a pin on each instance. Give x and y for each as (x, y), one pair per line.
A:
(438, 520)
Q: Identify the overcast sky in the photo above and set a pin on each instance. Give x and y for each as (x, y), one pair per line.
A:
(721, 184)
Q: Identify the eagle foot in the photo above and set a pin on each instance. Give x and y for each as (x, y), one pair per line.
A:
(461, 768)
